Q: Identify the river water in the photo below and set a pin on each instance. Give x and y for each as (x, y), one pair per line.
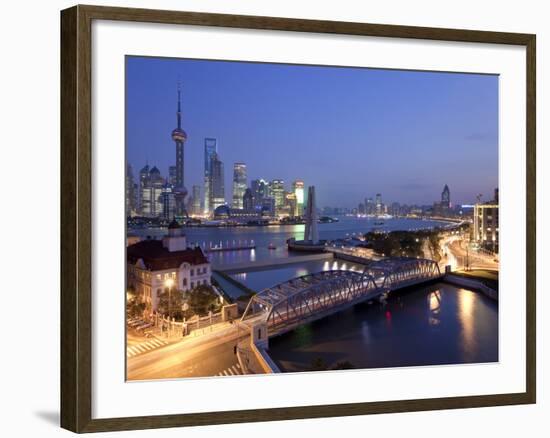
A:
(277, 235)
(431, 325)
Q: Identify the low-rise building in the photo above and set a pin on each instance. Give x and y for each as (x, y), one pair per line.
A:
(153, 266)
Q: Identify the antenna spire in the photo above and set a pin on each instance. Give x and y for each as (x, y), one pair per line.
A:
(179, 105)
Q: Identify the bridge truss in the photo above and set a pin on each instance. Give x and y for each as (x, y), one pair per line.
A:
(313, 296)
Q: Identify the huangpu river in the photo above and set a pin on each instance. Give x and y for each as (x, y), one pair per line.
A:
(277, 235)
(435, 324)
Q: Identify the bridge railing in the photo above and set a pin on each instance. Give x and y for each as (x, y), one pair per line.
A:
(307, 297)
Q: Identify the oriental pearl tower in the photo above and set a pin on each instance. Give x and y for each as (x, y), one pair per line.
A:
(179, 136)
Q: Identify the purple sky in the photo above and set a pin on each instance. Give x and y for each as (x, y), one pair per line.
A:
(351, 132)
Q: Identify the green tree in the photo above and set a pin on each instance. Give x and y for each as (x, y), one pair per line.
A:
(134, 306)
(171, 303)
(202, 299)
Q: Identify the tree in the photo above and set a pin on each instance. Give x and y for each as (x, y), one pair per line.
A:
(202, 299)
(171, 302)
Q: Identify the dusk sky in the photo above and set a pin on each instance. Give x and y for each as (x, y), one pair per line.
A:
(351, 132)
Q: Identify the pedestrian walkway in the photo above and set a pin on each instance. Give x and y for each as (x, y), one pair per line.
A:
(233, 370)
(144, 347)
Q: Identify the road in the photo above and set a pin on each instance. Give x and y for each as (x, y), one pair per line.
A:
(208, 355)
(457, 256)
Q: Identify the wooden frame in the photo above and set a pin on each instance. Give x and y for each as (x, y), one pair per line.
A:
(76, 177)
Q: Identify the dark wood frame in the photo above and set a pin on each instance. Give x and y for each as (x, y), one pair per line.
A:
(76, 177)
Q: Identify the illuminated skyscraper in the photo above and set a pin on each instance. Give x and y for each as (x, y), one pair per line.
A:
(179, 136)
(217, 182)
(151, 190)
(379, 206)
(239, 184)
(278, 193)
(298, 190)
(260, 190)
(210, 149)
(196, 199)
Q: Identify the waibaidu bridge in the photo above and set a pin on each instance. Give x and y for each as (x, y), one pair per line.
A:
(314, 296)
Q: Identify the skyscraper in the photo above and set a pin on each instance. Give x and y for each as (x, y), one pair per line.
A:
(239, 184)
(130, 191)
(260, 190)
(168, 201)
(217, 182)
(379, 206)
(151, 188)
(172, 178)
(179, 136)
(143, 181)
(248, 200)
(298, 190)
(278, 193)
(446, 198)
(210, 148)
(196, 199)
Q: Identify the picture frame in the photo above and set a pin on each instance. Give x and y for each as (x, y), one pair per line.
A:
(76, 217)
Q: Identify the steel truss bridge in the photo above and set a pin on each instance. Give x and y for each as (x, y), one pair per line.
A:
(313, 296)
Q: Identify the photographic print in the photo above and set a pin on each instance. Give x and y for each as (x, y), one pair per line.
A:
(288, 218)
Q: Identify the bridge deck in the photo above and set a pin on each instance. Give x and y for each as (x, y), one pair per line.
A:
(314, 296)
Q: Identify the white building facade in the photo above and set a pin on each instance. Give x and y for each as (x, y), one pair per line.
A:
(153, 266)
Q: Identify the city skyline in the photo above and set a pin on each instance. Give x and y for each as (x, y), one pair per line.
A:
(350, 177)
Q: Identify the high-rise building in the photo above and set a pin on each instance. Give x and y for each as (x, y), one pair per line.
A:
(446, 198)
(179, 136)
(239, 184)
(196, 206)
(370, 206)
(248, 200)
(379, 206)
(260, 190)
(217, 182)
(298, 190)
(268, 206)
(278, 193)
(151, 189)
(130, 192)
(143, 181)
(291, 204)
(210, 148)
(172, 178)
(168, 201)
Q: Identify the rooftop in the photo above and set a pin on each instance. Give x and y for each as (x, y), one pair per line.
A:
(158, 258)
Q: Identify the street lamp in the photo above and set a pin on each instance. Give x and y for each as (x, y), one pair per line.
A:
(169, 283)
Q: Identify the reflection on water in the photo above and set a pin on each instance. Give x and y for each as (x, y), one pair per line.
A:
(258, 280)
(434, 300)
(466, 317)
(278, 235)
(461, 327)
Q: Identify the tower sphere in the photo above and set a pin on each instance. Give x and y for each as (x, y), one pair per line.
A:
(179, 134)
